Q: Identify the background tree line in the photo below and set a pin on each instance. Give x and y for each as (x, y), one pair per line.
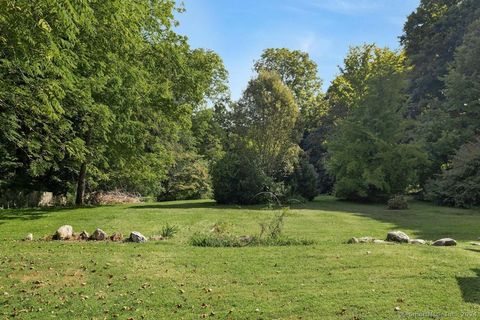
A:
(106, 95)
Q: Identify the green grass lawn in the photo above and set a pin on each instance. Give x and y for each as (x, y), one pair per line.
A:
(173, 280)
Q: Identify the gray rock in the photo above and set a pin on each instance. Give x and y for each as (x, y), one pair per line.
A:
(361, 240)
(353, 240)
(29, 237)
(99, 235)
(116, 237)
(381, 242)
(83, 235)
(445, 242)
(157, 238)
(137, 237)
(417, 241)
(64, 233)
(397, 236)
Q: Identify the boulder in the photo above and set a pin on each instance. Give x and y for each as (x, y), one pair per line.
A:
(64, 233)
(137, 237)
(99, 235)
(28, 237)
(83, 235)
(397, 236)
(381, 242)
(417, 241)
(116, 237)
(360, 240)
(445, 242)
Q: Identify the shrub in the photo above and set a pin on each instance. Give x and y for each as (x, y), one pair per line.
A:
(237, 180)
(459, 183)
(168, 231)
(397, 203)
(304, 179)
(188, 178)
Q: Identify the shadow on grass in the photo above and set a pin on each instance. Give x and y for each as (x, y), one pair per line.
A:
(470, 287)
(33, 213)
(427, 221)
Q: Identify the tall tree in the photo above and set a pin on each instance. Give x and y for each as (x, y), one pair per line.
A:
(265, 117)
(367, 155)
(431, 35)
(299, 73)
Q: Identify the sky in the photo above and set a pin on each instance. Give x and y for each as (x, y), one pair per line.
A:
(239, 30)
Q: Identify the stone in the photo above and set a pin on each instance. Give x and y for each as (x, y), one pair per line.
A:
(445, 242)
(360, 240)
(137, 237)
(116, 237)
(397, 236)
(417, 241)
(475, 243)
(29, 237)
(381, 242)
(83, 235)
(99, 235)
(157, 238)
(64, 233)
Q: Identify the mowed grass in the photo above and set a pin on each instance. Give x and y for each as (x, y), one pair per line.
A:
(173, 280)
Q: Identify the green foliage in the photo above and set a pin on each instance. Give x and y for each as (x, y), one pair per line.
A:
(431, 35)
(367, 155)
(397, 203)
(187, 178)
(168, 230)
(238, 178)
(459, 183)
(265, 118)
(271, 234)
(93, 94)
(304, 179)
(300, 74)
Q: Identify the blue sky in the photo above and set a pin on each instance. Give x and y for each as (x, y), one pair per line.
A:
(239, 30)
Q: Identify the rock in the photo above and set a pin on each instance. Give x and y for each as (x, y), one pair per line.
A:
(137, 237)
(28, 237)
(116, 237)
(445, 242)
(157, 238)
(64, 233)
(397, 236)
(381, 242)
(245, 239)
(417, 241)
(83, 235)
(99, 235)
(360, 240)
(475, 243)
(352, 240)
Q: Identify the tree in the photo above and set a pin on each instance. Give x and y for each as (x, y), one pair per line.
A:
(265, 118)
(367, 156)
(431, 35)
(299, 73)
(459, 183)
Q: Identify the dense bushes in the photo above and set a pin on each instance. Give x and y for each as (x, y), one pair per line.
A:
(459, 184)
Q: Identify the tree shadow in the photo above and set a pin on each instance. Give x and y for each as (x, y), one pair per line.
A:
(33, 213)
(425, 220)
(470, 287)
(206, 204)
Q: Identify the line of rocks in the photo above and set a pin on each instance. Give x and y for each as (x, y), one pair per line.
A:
(66, 233)
(401, 237)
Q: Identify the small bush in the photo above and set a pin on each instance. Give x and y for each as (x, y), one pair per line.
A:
(168, 231)
(397, 203)
(270, 235)
(225, 241)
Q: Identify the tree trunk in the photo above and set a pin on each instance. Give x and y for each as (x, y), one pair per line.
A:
(79, 201)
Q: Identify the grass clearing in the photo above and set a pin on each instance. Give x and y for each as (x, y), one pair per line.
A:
(171, 279)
